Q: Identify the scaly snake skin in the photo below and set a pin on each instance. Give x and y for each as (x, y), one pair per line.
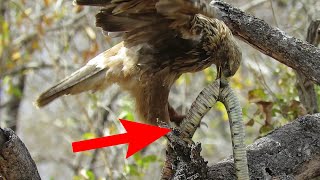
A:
(220, 90)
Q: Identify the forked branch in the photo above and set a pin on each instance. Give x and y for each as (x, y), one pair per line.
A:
(293, 52)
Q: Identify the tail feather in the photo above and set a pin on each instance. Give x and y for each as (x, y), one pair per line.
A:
(97, 74)
(82, 80)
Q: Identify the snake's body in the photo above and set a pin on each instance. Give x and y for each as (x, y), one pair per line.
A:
(220, 90)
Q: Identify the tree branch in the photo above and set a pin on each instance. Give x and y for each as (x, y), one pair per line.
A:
(306, 89)
(252, 4)
(25, 38)
(15, 160)
(290, 152)
(33, 67)
(273, 42)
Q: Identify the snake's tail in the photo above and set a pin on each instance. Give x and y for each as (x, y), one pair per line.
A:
(232, 104)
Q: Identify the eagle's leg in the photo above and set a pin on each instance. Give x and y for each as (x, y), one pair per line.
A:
(175, 116)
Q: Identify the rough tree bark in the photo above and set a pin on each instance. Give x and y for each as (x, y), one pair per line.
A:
(306, 89)
(299, 55)
(15, 160)
(290, 152)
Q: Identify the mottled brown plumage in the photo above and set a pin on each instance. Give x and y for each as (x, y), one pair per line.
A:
(162, 39)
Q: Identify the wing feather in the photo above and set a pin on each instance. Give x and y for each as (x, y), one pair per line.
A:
(160, 27)
(112, 23)
(91, 2)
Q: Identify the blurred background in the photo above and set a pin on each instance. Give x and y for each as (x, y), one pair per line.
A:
(42, 41)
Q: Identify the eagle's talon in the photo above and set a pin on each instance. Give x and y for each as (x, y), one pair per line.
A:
(163, 124)
(177, 141)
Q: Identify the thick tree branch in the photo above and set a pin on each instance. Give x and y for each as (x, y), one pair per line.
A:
(273, 42)
(15, 160)
(290, 152)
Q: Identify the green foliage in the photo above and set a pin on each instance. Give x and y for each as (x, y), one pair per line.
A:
(274, 108)
(4, 36)
(317, 88)
(127, 109)
(283, 3)
(256, 95)
(140, 164)
(210, 75)
(184, 78)
(144, 161)
(220, 107)
(85, 175)
(88, 135)
(11, 88)
(132, 170)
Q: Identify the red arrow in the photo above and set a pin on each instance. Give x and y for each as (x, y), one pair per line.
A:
(138, 136)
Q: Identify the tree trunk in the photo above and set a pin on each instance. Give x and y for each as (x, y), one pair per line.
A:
(12, 106)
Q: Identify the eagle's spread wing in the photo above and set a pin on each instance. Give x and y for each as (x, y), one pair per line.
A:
(160, 28)
(161, 40)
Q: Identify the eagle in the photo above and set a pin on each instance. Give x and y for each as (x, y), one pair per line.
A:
(162, 39)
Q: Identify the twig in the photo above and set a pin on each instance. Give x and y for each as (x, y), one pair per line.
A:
(273, 13)
(306, 90)
(252, 4)
(23, 39)
(34, 66)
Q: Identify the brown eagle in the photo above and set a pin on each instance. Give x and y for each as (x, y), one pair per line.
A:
(162, 39)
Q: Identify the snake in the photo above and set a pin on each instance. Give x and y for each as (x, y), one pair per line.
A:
(220, 90)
